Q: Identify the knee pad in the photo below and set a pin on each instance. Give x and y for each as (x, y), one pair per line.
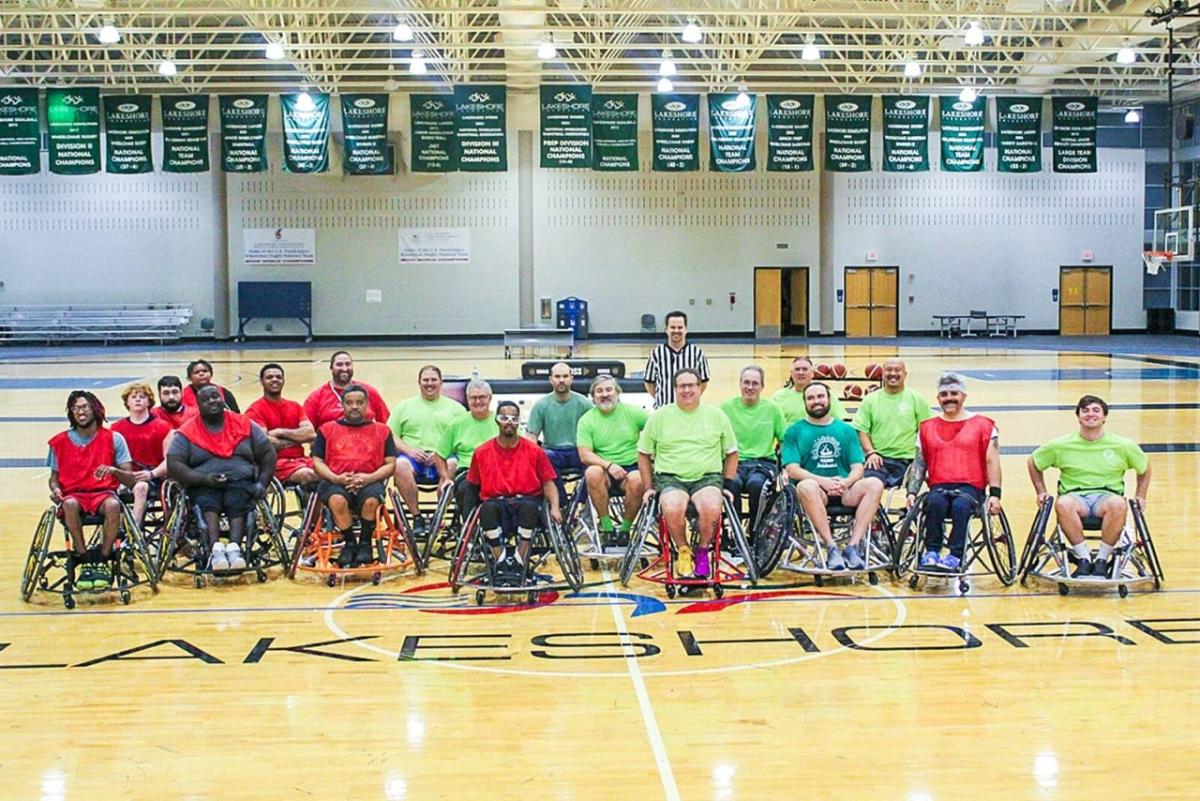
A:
(492, 535)
(526, 534)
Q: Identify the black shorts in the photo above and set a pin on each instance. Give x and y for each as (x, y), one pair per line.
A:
(891, 472)
(235, 499)
(327, 489)
(614, 486)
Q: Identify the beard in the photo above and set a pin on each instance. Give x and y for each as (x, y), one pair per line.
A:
(818, 411)
(172, 406)
(606, 406)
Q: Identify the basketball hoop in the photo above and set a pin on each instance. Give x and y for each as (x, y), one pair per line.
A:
(1155, 259)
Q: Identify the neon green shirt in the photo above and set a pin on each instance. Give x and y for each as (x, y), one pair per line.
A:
(689, 445)
(421, 423)
(891, 421)
(1095, 465)
(613, 436)
(792, 404)
(464, 435)
(756, 427)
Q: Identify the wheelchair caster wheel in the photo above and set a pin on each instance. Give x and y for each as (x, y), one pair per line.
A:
(376, 577)
(718, 591)
(480, 595)
(199, 582)
(594, 564)
(644, 562)
(44, 583)
(126, 597)
(819, 581)
(1123, 591)
(68, 602)
(684, 589)
(670, 591)
(964, 587)
(331, 580)
(1063, 589)
(912, 583)
(262, 577)
(531, 598)
(872, 578)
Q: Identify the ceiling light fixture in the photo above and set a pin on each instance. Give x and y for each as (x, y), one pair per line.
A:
(692, 33)
(1126, 55)
(665, 85)
(402, 33)
(811, 52)
(417, 65)
(108, 33)
(912, 69)
(968, 94)
(1133, 116)
(304, 101)
(546, 50)
(666, 67)
(167, 68)
(274, 51)
(974, 35)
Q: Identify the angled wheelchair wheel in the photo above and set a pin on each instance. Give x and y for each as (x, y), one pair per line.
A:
(172, 536)
(773, 531)
(461, 563)
(269, 524)
(566, 554)
(410, 545)
(1147, 545)
(908, 540)
(135, 539)
(312, 511)
(1001, 551)
(734, 527)
(647, 520)
(39, 550)
(1034, 541)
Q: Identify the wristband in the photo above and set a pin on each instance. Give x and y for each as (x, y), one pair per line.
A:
(994, 492)
(729, 486)
(608, 469)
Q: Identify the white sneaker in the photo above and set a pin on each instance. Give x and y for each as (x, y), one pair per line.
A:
(233, 555)
(219, 561)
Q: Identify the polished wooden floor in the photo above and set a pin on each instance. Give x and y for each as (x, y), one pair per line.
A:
(789, 690)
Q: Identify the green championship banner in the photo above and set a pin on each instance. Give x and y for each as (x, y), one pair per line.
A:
(675, 120)
(365, 148)
(962, 133)
(185, 133)
(480, 123)
(73, 122)
(731, 131)
(127, 134)
(789, 133)
(305, 132)
(243, 133)
(434, 145)
(1019, 134)
(1074, 134)
(905, 134)
(847, 133)
(614, 132)
(20, 132)
(566, 125)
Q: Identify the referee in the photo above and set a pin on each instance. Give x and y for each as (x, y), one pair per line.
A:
(670, 357)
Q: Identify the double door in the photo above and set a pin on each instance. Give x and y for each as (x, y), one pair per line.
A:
(1084, 301)
(872, 301)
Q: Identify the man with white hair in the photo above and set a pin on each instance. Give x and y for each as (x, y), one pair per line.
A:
(462, 437)
(608, 437)
(959, 452)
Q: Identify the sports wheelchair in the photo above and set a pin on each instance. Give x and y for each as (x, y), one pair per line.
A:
(650, 534)
(318, 539)
(989, 548)
(785, 538)
(129, 552)
(186, 549)
(1134, 558)
(473, 553)
(443, 518)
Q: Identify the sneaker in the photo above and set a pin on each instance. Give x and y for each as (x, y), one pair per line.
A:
(101, 577)
(833, 559)
(345, 557)
(931, 560)
(418, 526)
(701, 564)
(85, 577)
(685, 563)
(218, 562)
(1101, 569)
(853, 557)
(1083, 569)
(233, 555)
(364, 554)
(950, 563)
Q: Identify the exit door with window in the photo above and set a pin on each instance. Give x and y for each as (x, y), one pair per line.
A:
(872, 301)
(1085, 301)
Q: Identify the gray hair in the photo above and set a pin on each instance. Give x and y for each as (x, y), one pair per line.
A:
(478, 384)
(600, 379)
(951, 381)
(762, 376)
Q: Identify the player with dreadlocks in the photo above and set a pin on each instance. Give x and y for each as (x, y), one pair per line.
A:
(87, 461)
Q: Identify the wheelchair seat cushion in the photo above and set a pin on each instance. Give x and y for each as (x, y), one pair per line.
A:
(1091, 523)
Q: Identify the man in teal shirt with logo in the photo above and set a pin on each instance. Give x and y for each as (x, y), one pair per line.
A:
(555, 418)
(823, 457)
(1091, 483)
(887, 422)
(759, 427)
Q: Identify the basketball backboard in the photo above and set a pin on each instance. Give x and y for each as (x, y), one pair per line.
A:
(1174, 231)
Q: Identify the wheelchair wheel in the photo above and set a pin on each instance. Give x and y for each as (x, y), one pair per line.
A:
(461, 563)
(135, 538)
(647, 519)
(1147, 544)
(1034, 542)
(269, 522)
(1001, 551)
(566, 554)
(734, 528)
(773, 531)
(172, 536)
(410, 545)
(908, 541)
(39, 550)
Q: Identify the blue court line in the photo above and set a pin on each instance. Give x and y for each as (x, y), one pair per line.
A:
(56, 419)
(92, 382)
(1088, 374)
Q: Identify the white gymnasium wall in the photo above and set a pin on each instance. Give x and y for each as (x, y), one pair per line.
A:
(992, 240)
(110, 239)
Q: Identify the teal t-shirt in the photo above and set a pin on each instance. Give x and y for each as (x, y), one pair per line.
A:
(891, 421)
(689, 445)
(792, 404)
(613, 436)
(464, 435)
(421, 423)
(556, 421)
(829, 450)
(1091, 465)
(756, 427)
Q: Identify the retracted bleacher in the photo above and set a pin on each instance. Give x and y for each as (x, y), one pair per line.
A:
(85, 322)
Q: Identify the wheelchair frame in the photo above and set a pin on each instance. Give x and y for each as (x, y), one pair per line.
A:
(1135, 559)
(130, 545)
(982, 541)
(583, 529)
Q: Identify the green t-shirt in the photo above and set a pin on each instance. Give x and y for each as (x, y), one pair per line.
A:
(828, 451)
(1085, 465)
(757, 427)
(464, 435)
(421, 423)
(688, 444)
(613, 436)
(556, 421)
(792, 404)
(891, 421)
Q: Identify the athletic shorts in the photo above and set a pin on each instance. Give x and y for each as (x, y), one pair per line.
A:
(424, 473)
(285, 468)
(665, 482)
(235, 499)
(614, 486)
(891, 472)
(1092, 500)
(327, 489)
(89, 501)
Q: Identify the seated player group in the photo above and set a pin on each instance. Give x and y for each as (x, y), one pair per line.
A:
(684, 452)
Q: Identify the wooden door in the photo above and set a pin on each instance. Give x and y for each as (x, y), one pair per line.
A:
(768, 306)
(871, 301)
(796, 309)
(884, 294)
(1084, 301)
(1098, 299)
(858, 302)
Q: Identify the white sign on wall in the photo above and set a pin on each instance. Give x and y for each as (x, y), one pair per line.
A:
(280, 245)
(435, 245)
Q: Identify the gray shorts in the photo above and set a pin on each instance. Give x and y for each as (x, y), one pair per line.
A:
(1092, 500)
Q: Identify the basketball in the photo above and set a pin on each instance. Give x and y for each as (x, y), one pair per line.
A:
(839, 370)
(873, 371)
(873, 388)
(852, 392)
(823, 370)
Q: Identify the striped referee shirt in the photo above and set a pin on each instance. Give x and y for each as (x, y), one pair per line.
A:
(661, 367)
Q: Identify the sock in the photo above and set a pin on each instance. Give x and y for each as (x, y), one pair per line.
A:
(368, 530)
(626, 525)
(1081, 550)
(1103, 552)
(348, 536)
(606, 523)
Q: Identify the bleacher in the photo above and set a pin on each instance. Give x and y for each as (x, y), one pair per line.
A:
(80, 322)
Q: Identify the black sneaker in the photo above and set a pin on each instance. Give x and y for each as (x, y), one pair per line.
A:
(1083, 568)
(345, 558)
(418, 526)
(1101, 569)
(622, 538)
(365, 553)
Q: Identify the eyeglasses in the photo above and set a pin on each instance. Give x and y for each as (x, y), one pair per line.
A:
(509, 418)
(82, 407)
(686, 386)
(478, 398)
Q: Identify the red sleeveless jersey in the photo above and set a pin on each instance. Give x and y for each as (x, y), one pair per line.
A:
(279, 414)
(355, 449)
(174, 419)
(956, 451)
(145, 440)
(77, 466)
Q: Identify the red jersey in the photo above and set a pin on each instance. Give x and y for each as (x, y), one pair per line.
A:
(324, 405)
(77, 466)
(174, 419)
(349, 448)
(222, 444)
(955, 451)
(506, 472)
(189, 396)
(145, 440)
(279, 414)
